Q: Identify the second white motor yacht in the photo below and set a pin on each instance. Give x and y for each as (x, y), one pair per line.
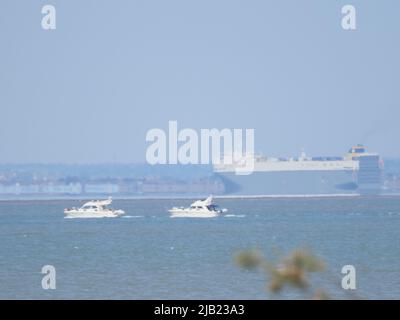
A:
(198, 209)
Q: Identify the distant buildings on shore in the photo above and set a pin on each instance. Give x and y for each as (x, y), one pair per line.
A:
(129, 180)
(143, 187)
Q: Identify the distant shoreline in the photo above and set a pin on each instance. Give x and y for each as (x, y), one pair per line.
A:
(190, 197)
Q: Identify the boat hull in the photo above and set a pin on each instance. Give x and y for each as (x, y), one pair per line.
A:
(190, 214)
(92, 214)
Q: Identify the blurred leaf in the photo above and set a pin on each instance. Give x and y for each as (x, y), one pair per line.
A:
(250, 259)
(292, 270)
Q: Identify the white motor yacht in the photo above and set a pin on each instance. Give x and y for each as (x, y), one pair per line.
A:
(198, 209)
(94, 209)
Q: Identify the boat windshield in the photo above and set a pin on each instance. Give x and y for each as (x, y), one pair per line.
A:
(92, 207)
(212, 207)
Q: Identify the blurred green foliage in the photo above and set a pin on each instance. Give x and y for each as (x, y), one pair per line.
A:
(292, 270)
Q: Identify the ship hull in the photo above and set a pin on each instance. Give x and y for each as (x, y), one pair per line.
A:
(338, 182)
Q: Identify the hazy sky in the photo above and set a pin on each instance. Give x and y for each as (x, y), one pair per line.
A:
(91, 89)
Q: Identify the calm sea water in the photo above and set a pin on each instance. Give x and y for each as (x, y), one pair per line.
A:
(147, 255)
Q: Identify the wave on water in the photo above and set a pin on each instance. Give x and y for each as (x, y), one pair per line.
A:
(132, 217)
(234, 215)
(86, 218)
(391, 213)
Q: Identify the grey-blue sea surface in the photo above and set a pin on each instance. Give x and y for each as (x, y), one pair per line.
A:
(148, 255)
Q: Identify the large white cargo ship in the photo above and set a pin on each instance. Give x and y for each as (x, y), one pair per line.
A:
(358, 172)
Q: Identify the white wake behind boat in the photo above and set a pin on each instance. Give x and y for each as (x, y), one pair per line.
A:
(94, 209)
(198, 209)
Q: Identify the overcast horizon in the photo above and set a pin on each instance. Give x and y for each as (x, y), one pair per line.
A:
(89, 91)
